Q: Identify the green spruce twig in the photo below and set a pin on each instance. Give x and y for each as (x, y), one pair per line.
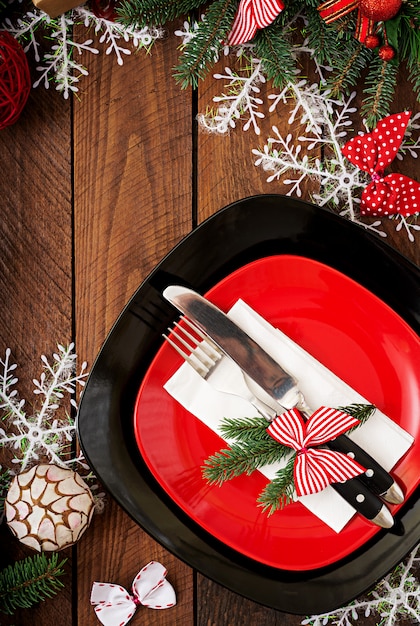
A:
(379, 90)
(279, 492)
(253, 447)
(248, 429)
(30, 581)
(141, 13)
(208, 40)
(273, 47)
(362, 412)
(241, 458)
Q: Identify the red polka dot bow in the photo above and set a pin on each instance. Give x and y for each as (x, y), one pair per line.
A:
(372, 153)
(114, 606)
(316, 468)
(252, 15)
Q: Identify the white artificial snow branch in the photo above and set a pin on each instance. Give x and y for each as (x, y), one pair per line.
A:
(41, 432)
(325, 123)
(59, 65)
(396, 596)
(240, 99)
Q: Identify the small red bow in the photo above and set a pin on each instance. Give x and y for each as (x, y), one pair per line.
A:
(372, 153)
(314, 469)
(252, 15)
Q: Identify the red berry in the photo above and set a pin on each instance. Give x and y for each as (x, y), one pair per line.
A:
(372, 41)
(386, 53)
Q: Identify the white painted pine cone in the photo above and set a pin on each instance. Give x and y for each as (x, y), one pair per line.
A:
(48, 507)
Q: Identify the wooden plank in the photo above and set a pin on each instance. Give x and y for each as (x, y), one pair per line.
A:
(35, 276)
(133, 201)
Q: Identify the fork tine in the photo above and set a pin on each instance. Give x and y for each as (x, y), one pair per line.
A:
(201, 355)
(196, 364)
(208, 340)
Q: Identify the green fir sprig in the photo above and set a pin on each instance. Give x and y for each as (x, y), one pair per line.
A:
(253, 447)
(280, 491)
(30, 581)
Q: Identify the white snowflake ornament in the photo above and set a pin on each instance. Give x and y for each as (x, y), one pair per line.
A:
(48, 508)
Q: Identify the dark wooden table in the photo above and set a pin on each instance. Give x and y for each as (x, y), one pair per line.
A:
(94, 192)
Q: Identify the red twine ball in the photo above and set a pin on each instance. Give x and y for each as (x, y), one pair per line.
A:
(380, 10)
(15, 79)
(387, 53)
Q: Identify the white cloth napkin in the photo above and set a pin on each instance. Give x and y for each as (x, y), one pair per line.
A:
(380, 436)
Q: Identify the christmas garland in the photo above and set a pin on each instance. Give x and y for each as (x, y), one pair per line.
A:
(253, 447)
(365, 38)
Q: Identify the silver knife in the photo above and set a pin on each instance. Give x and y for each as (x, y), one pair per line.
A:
(276, 383)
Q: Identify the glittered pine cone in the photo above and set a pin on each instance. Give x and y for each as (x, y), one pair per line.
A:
(48, 507)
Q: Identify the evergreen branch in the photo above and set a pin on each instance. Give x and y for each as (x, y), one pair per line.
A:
(349, 68)
(379, 91)
(323, 40)
(208, 40)
(279, 492)
(414, 75)
(362, 412)
(275, 51)
(143, 13)
(30, 581)
(403, 32)
(247, 430)
(241, 458)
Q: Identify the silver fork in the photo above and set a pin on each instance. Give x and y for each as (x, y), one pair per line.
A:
(203, 355)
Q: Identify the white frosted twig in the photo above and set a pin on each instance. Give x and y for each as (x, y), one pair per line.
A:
(41, 431)
(396, 596)
(240, 100)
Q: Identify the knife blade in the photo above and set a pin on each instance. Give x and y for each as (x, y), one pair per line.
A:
(275, 382)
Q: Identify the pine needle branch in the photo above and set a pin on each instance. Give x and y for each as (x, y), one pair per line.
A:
(30, 581)
(207, 42)
(279, 492)
(241, 458)
(274, 49)
(349, 68)
(248, 429)
(362, 412)
(379, 91)
(141, 13)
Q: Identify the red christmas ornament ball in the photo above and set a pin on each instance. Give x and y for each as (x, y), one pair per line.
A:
(15, 79)
(372, 41)
(380, 10)
(387, 53)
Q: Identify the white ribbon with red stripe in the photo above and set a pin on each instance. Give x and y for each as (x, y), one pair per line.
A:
(114, 606)
(314, 469)
(252, 15)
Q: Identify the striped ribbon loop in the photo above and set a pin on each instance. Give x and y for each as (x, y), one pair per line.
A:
(332, 10)
(252, 15)
(314, 469)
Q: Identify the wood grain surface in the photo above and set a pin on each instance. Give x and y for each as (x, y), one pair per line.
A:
(94, 192)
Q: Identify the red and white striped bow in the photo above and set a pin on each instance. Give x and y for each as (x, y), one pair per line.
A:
(252, 15)
(314, 469)
(372, 153)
